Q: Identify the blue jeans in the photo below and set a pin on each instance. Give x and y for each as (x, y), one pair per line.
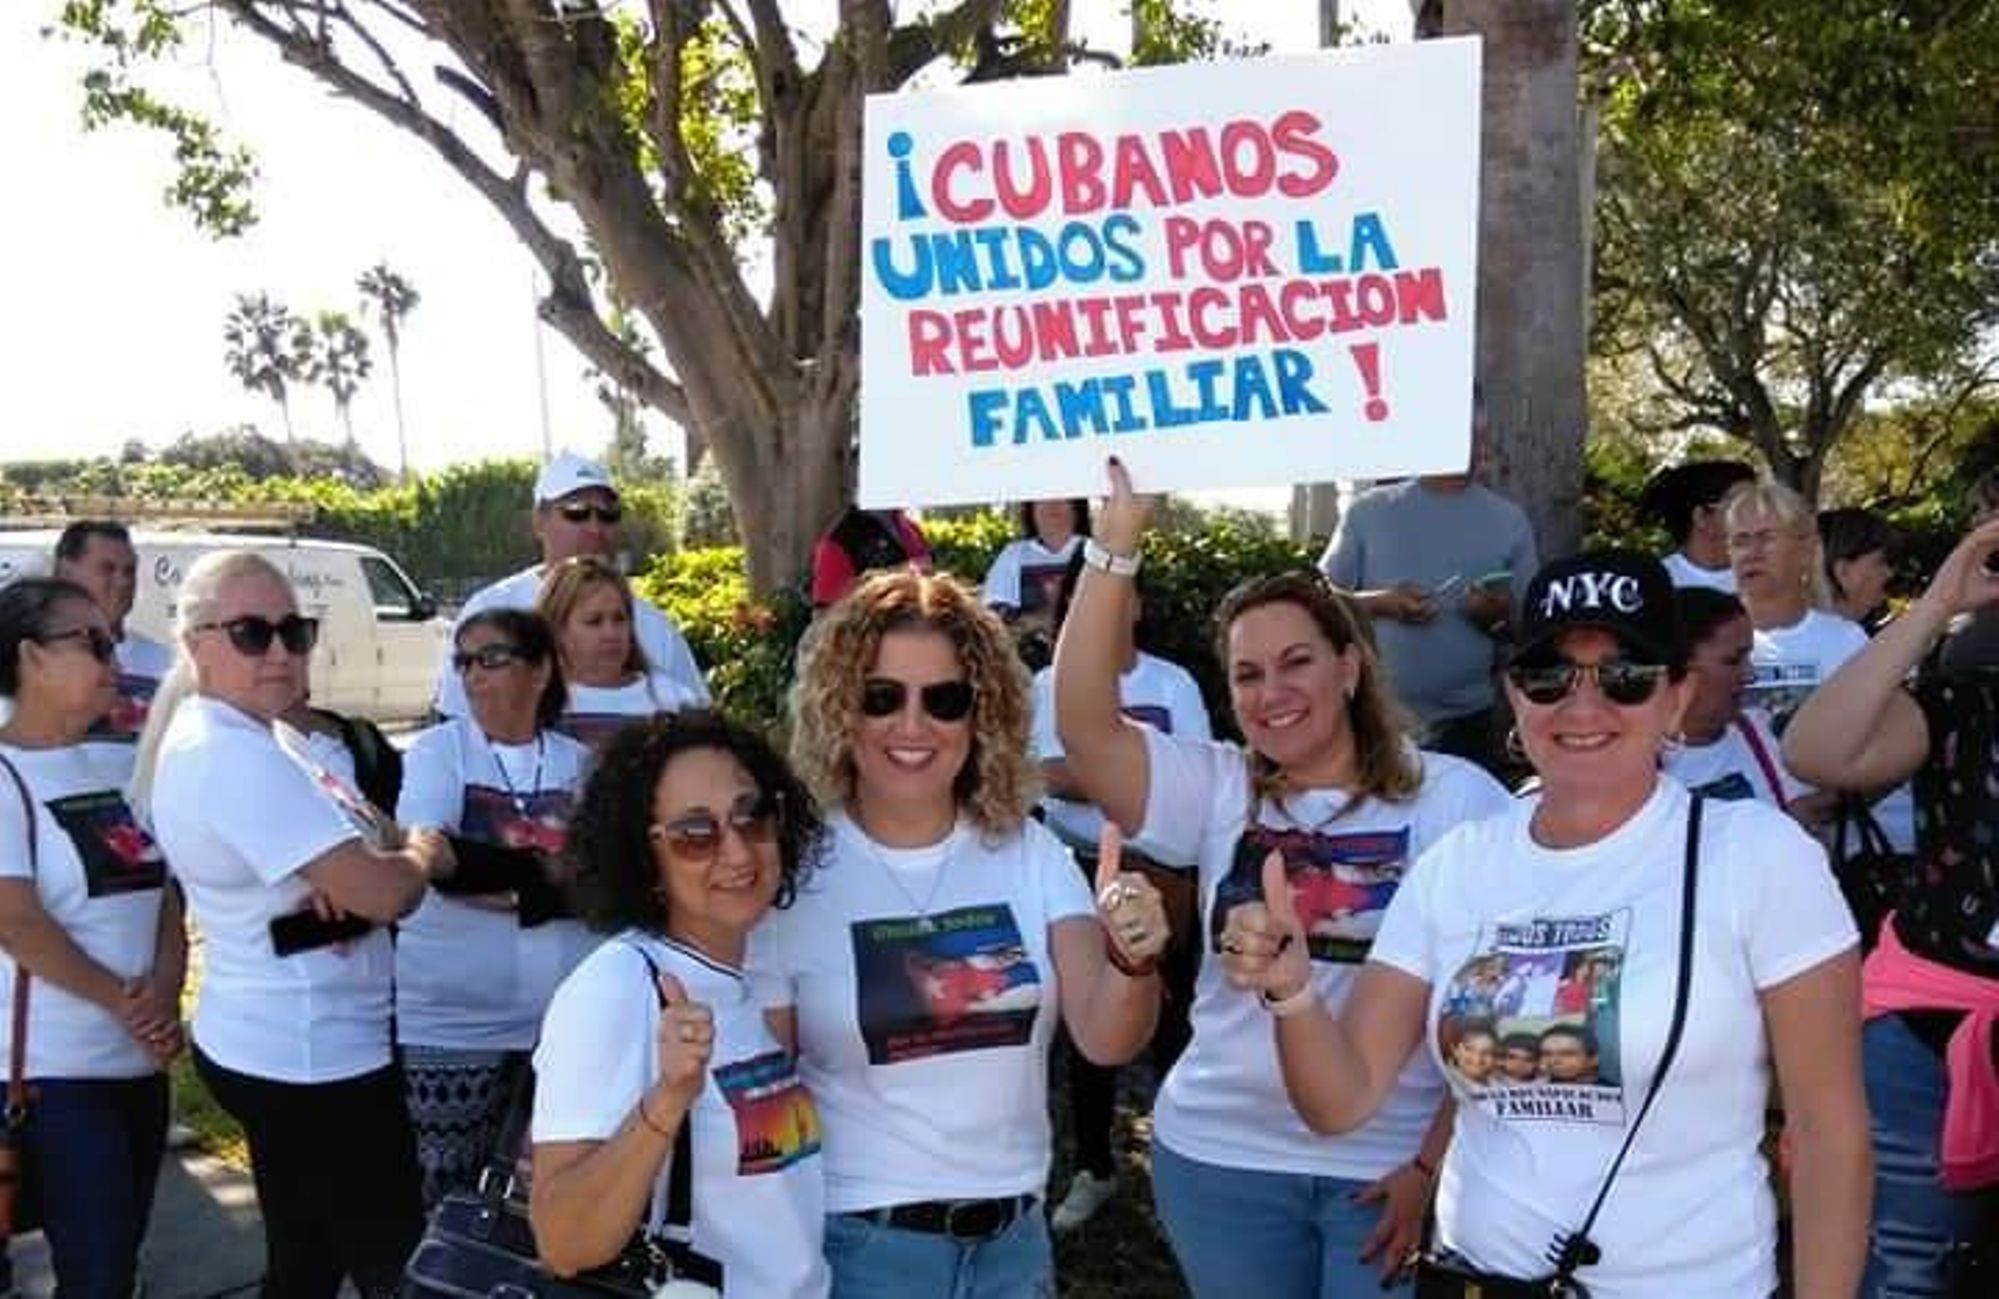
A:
(1916, 1222)
(1239, 1232)
(870, 1260)
(96, 1143)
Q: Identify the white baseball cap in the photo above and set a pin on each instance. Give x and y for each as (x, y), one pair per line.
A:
(567, 472)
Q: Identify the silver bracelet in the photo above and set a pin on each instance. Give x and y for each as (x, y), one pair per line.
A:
(1097, 557)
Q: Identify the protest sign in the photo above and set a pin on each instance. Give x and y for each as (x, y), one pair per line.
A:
(1231, 274)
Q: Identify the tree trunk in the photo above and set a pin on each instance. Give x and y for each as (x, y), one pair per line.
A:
(1315, 511)
(1531, 276)
(402, 433)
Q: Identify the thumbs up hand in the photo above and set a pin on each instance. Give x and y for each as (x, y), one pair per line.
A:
(1128, 906)
(1263, 943)
(684, 1041)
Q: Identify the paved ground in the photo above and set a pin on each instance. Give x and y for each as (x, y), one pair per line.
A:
(206, 1240)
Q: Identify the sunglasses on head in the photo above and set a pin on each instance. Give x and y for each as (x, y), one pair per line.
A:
(490, 657)
(252, 634)
(697, 836)
(944, 701)
(1551, 680)
(97, 641)
(581, 512)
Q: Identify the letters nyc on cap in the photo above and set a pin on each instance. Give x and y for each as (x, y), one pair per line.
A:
(1625, 592)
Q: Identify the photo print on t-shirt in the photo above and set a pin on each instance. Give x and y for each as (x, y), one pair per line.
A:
(776, 1125)
(1780, 689)
(118, 855)
(540, 821)
(1341, 883)
(126, 717)
(594, 730)
(1153, 715)
(1732, 788)
(1529, 1025)
(1041, 586)
(957, 981)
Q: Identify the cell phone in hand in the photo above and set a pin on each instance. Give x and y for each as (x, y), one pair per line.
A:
(305, 931)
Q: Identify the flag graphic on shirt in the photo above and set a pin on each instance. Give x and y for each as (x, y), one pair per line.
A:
(958, 981)
(118, 855)
(1341, 883)
(1529, 1024)
(541, 822)
(776, 1125)
(126, 717)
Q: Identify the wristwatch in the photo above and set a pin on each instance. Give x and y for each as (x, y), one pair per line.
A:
(1096, 556)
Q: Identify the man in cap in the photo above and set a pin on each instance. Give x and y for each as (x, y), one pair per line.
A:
(576, 512)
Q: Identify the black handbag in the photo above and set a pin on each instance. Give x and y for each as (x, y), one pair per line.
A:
(1872, 876)
(1450, 1278)
(480, 1245)
(20, 1188)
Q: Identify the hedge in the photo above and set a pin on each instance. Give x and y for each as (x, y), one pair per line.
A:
(748, 645)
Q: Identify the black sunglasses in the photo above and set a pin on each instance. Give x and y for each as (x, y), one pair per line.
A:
(252, 634)
(96, 640)
(944, 701)
(490, 657)
(582, 513)
(1549, 681)
(698, 835)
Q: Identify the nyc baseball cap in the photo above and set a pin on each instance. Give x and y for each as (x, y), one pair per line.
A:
(567, 472)
(1624, 592)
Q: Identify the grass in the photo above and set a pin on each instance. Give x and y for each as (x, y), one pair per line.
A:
(215, 1133)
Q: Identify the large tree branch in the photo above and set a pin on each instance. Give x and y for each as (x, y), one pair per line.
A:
(569, 306)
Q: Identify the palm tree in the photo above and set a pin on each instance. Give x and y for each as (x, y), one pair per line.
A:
(340, 362)
(267, 348)
(391, 298)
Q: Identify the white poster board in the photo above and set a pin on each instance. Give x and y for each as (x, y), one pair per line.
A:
(1237, 274)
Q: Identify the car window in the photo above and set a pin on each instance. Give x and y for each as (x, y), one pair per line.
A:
(388, 589)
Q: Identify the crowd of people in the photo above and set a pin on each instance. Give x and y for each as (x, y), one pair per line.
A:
(1486, 953)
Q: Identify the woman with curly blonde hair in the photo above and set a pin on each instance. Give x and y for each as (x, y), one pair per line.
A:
(920, 973)
(1328, 785)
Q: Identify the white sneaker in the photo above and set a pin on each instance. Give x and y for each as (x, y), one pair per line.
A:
(1087, 1194)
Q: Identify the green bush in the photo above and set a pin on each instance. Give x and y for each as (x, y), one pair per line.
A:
(748, 644)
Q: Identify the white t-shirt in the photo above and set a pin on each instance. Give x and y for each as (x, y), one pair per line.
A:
(1729, 767)
(1224, 1102)
(1155, 691)
(925, 996)
(595, 713)
(470, 977)
(665, 649)
(1790, 663)
(1027, 575)
(238, 814)
(99, 877)
(1515, 939)
(1685, 572)
(758, 1193)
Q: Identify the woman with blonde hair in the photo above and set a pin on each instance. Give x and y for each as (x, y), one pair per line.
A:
(292, 880)
(588, 603)
(1773, 549)
(921, 971)
(1253, 1200)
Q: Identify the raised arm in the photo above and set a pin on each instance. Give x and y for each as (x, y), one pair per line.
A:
(1105, 752)
(1860, 730)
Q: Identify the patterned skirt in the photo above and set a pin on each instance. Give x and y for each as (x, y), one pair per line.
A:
(457, 1103)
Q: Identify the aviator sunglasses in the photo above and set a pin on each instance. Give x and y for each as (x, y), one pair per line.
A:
(944, 701)
(581, 513)
(97, 641)
(1551, 680)
(490, 657)
(697, 836)
(252, 634)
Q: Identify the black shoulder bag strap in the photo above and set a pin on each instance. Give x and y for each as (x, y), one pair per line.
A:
(1576, 1250)
(17, 1049)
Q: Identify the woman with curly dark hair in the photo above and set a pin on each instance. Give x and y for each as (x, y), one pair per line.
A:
(922, 970)
(690, 830)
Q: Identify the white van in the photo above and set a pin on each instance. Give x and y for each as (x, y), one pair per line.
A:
(380, 639)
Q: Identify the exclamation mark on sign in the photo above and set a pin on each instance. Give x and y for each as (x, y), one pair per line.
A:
(1367, 359)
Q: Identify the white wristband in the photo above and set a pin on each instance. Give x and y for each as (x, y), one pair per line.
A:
(1097, 557)
(1306, 998)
